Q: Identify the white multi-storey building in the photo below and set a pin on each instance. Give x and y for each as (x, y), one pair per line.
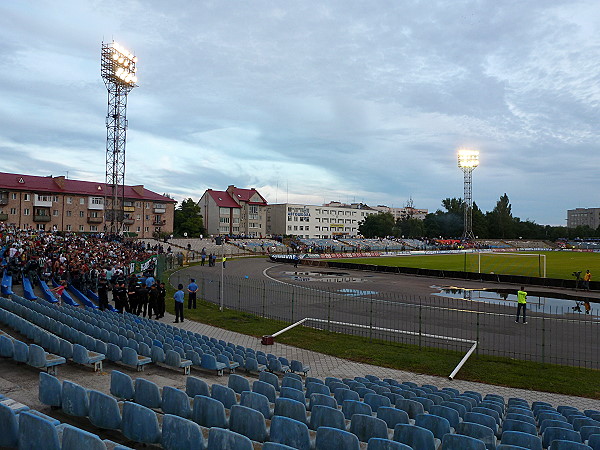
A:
(407, 212)
(328, 221)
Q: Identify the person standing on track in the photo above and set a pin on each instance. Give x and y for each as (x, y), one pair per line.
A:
(522, 304)
(586, 280)
(192, 290)
(179, 298)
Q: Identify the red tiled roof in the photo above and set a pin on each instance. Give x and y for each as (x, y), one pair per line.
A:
(223, 199)
(61, 185)
(246, 194)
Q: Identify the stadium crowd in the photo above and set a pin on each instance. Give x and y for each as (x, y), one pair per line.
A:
(97, 262)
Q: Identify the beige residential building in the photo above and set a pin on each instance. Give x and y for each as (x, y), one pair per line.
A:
(60, 204)
(234, 212)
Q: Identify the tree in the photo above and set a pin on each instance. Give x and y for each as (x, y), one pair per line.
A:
(188, 219)
(377, 225)
(454, 205)
(500, 220)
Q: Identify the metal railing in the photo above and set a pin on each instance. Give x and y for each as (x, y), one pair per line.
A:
(557, 335)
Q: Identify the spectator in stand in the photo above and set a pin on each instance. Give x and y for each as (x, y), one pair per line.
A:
(60, 291)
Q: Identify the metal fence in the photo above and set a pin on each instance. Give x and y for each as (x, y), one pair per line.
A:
(556, 335)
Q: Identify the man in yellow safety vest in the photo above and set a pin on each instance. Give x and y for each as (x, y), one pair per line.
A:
(522, 304)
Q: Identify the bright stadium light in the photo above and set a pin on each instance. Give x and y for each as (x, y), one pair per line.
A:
(118, 69)
(468, 160)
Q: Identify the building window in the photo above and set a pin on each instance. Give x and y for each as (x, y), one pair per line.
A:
(68, 213)
(223, 211)
(69, 200)
(147, 229)
(223, 219)
(81, 213)
(289, 227)
(26, 197)
(55, 199)
(95, 214)
(93, 228)
(55, 212)
(68, 227)
(26, 212)
(139, 229)
(81, 228)
(13, 195)
(40, 226)
(13, 211)
(147, 205)
(97, 201)
(147, 217)
(139, 217)
(295, 227)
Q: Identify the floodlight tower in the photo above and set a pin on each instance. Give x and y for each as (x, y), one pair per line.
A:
(468, 160)
(118, 69)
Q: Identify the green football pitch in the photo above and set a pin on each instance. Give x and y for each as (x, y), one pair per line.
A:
(558, 264)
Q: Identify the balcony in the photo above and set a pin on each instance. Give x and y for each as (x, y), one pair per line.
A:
(160, 210)
(3, 198)
(159, 223)
(128, 221)
(42, 201)
(96, 203)
(129, 208)
(41, 218)
(3, 217)
(95, 219)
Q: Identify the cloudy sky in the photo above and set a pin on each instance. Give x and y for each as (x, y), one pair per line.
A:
(312, 101)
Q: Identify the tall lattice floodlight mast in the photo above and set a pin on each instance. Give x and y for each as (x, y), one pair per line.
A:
(468, 160)
(118, 69)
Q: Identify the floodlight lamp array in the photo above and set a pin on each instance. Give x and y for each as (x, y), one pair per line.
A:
(118, 64)
(468, 159)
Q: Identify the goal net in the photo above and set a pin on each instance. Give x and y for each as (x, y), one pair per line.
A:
(515, 263)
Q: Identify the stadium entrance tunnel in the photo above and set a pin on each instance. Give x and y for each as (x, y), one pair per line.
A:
(538, 301)
(326, 276)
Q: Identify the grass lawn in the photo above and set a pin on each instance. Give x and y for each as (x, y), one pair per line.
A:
(485, 369)
(558, 264)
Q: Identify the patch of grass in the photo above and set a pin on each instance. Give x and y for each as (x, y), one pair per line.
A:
(485, 369)
(559, 265)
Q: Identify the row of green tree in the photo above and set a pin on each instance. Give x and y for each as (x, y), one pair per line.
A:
(499, 223)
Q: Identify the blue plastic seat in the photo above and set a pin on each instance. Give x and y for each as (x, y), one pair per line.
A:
(587, 430)
(238, 383)
(249, 422)
(195, 386)
(222, 439)
(42, 360)
(386, 444)
(413, 408)
(6, 347)
(460, 409)
(321, 399)
(553, 433)
(594, 441)
(209, 362)
(113, 352)
(483, 419)
(270, 378)
(292, 383)
(147, 393)
(21, 351)
(584, 421)
(294, 394)
(173, 359)
(451, 415)
(297, 366)
(265, 389)
(345, 394)
(414, 436)
(436, 424)
(9, 427)
(366, 427)
(131, 358)
(157, 354)
(330, 438)
(179, 433)
(287, 431)
(478, 431)
(351, 407)
(316, 388)
(224, 394)
(36, 432)
(326, 416)
(252, 365)
(554, 423)
(558, 444)
(104, 411)
(460, 442)
(140, 424)
(208, 412)
(293, 409)
(376, 400)
(81, 355)
(176, 402)
(50, 390)
(258, 402)
(121, 385)
(515, 425)
(496, 415)
(76, 438)
(392, 416)
(75, 401)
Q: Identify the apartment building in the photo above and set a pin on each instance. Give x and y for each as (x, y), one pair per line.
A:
(328, 221)
(583, 216)
(60, 204)
(234, 211)
(407, 212)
